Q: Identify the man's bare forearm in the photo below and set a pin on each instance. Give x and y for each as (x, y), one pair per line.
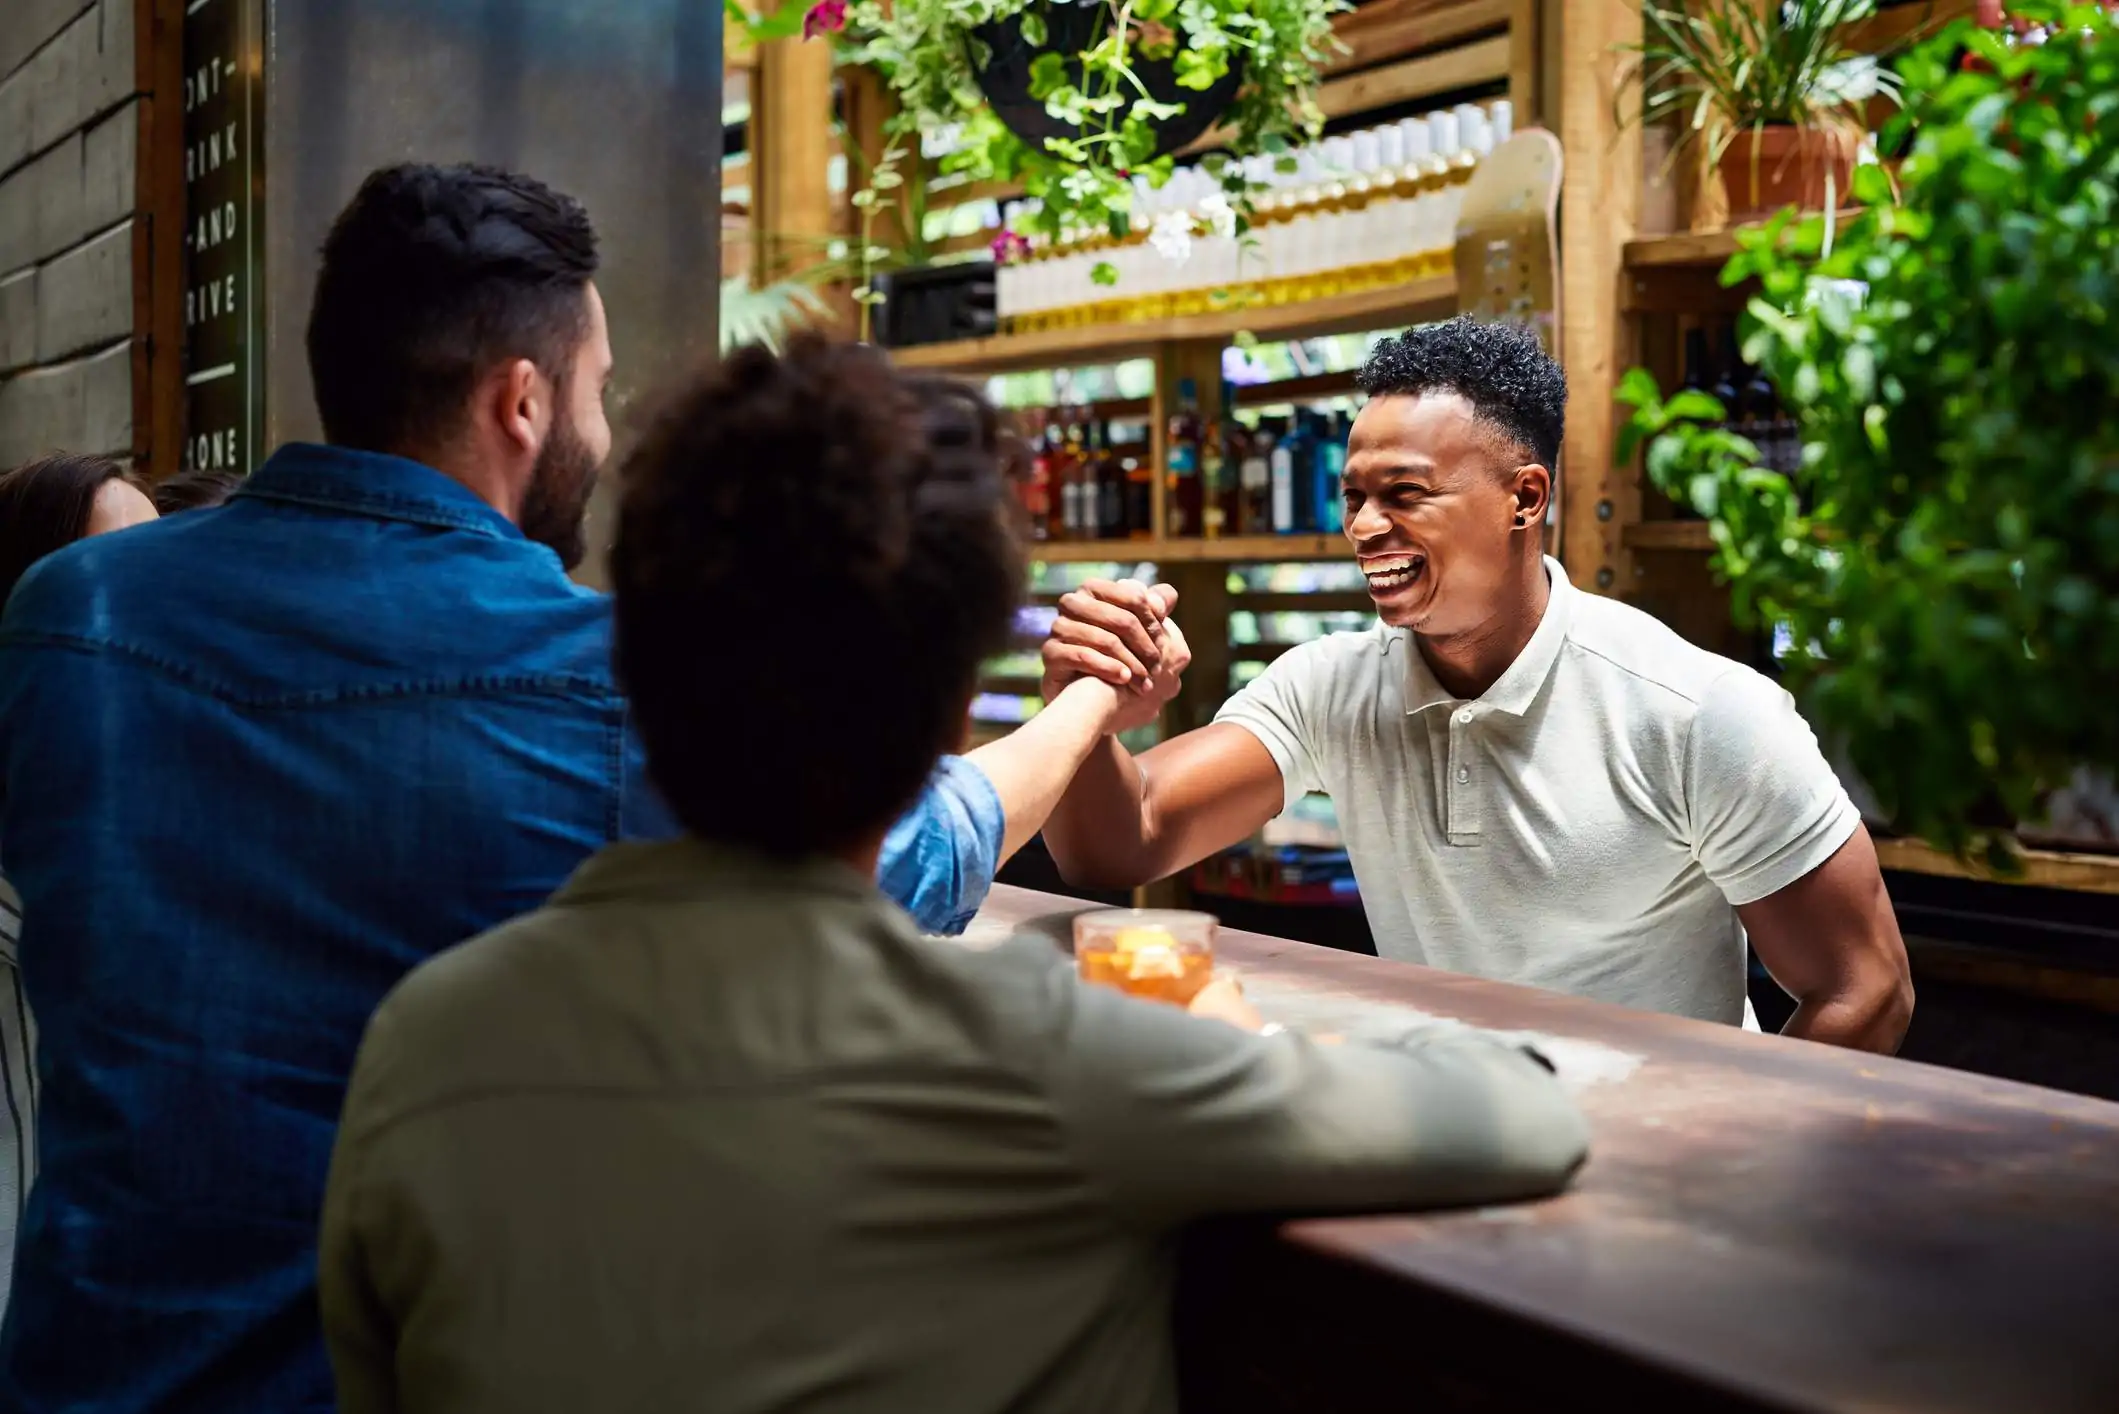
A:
(1098, 833)
(1130, 820)
(1873, 1018)
(1031, 766)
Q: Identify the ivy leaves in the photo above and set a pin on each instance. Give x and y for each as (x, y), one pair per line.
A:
(928, 51)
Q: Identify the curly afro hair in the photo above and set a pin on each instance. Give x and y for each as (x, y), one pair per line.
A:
(815, 553)
(1512, 384)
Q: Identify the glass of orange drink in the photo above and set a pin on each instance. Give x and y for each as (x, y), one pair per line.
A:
(1165, 955)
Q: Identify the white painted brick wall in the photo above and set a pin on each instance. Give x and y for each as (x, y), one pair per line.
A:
(110, 155)
(84, 297)
(14, 120)
(43, 411)
(106, 400)
(18, 220)
(30, 24)
(55, 90)
(69, 159)
(18, 320)
(55, 187)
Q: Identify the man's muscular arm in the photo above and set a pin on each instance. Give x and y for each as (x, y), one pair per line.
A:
(1127, 820)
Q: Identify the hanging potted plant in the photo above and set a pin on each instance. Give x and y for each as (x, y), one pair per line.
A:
(1776, 93)
(1074, 99)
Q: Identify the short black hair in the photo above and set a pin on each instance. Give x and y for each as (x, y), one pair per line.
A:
(815, 553)
(45, 505)
(429, 278)
(197, 489)
(1513, 385)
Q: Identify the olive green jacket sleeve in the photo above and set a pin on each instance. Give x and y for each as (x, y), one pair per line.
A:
(1180, 1117)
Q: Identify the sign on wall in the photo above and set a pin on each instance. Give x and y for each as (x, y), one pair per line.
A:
(223, 237)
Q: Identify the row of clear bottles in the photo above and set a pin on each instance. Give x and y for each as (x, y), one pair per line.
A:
(1386, 196)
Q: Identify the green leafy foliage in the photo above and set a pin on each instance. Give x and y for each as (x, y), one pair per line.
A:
(783, 21)
(768, 314)
(927, 51)
(1948, 555)
(1715, 68)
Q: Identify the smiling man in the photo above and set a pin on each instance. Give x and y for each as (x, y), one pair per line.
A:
(1536, 785)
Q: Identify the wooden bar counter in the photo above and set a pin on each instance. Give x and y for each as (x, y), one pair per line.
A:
(1762, 1224)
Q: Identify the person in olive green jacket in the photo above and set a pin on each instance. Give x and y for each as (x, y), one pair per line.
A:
(719, 1129)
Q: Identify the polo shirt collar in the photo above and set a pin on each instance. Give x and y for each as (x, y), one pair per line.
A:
(376, 485)
(1517, 688)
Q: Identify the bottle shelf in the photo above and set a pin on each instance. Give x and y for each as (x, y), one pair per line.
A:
(1397, 305)
(1694, 250)
(1228, 550)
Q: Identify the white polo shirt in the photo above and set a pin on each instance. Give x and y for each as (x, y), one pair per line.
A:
(1588, 825)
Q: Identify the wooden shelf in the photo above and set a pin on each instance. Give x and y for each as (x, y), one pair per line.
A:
(1099, 344)
(1692, 250)
(1668, 535)
(1236, 550)
(2051, 869)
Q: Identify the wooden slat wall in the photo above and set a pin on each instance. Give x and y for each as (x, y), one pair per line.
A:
(1599, 201)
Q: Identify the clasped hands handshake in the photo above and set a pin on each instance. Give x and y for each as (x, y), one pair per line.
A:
(1119, 632)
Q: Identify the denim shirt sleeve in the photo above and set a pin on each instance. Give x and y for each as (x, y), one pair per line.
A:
(939, 860)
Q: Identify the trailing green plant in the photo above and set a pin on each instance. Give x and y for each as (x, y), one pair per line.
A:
(1947, 558)
(1717, 68)
(767, 314)
(929, 54)
(782, 21)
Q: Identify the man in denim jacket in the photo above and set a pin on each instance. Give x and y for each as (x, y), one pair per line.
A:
(262, 760)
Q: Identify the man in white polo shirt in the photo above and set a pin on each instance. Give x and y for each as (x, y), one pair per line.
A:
(1536, 784)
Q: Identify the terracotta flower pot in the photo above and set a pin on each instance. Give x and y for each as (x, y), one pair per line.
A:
(1768, 168)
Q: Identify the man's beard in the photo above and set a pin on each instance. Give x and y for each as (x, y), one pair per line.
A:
(556, 507)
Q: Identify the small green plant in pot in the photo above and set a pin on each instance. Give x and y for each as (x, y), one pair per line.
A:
(1946, 561)
(1074, 99)
(1775, 94)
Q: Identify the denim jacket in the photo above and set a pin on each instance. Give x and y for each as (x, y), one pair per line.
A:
(257, 763)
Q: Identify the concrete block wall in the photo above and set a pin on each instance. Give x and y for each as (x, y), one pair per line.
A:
(69, 156)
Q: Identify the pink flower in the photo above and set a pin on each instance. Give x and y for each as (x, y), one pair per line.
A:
(1008, 247)
(826, 16)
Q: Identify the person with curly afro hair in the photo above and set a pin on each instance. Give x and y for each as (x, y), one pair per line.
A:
(1536, 784)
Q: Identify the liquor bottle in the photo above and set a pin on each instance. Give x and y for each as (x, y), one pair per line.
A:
(1290, 471)
(1727, 375)
(1328, 502)
(1077, 490)
(1698, 377)
(1215, 475)
(1756, 415)
(1255, 514)
(1111, 486)
(1055, 457)
(1235, 446)
(1182, 450)
(1137, 466)
(1037, 487)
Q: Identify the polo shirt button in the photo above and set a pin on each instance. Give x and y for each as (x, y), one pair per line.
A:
(1463, 775)
(1464, 718)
